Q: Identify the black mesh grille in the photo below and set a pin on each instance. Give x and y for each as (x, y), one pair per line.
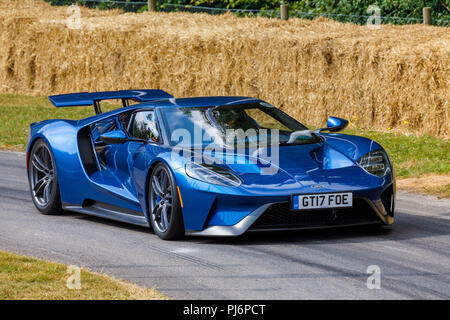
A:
(279, 215)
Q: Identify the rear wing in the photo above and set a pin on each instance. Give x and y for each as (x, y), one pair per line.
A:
(94, 98)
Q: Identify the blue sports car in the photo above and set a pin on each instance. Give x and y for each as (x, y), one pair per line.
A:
(205, 166)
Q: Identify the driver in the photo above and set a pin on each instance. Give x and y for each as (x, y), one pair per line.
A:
(232, 118)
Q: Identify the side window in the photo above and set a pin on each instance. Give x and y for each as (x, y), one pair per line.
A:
(145, 127)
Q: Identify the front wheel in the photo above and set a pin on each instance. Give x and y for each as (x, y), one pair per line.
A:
(43, 179)
(164, 204)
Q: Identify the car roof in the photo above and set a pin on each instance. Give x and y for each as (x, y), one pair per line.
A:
(200, 102)
(173, 103)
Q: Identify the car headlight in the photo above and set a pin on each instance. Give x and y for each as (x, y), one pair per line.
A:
(376, 163)
(212, 174)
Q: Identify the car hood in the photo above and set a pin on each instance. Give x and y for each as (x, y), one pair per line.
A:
(319, 167)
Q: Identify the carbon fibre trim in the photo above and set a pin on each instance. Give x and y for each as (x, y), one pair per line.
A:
(246, 223)
(234, 230)
(108, 214)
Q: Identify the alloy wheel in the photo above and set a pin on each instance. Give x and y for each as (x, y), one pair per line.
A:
(42, 175)
(161, 199)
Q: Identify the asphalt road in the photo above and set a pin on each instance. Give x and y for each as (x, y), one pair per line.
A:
(413, 255)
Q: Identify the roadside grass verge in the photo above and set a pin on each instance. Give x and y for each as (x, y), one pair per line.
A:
(413, 156)
(28, 278)
(428, 184)
(18, 111)
(422, 163)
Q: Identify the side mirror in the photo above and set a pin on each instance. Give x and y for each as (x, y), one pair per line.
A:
(114, 137)
(335, 124)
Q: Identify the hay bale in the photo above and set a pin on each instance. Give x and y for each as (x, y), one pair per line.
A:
(311, 69)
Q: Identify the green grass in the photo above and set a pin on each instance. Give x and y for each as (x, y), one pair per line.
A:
(18, 111)
(28, 278)
(412, 155)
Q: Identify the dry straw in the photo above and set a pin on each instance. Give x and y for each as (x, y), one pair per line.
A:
(311, 69)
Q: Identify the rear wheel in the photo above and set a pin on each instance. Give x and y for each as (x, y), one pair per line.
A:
(43, 179)
(164, 205)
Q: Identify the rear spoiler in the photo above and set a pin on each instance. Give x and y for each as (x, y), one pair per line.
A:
(94, 98)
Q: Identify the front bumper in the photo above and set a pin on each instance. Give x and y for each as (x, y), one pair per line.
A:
(278, 216)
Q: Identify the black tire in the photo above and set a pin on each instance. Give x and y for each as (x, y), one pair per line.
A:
(43, 180)
(163, 202)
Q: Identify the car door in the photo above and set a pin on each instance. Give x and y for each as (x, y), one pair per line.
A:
(102, 149)
(141, 124)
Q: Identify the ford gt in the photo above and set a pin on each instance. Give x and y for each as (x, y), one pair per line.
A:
(205, 166)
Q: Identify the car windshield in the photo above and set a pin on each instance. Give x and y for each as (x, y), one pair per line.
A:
(224, 126)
